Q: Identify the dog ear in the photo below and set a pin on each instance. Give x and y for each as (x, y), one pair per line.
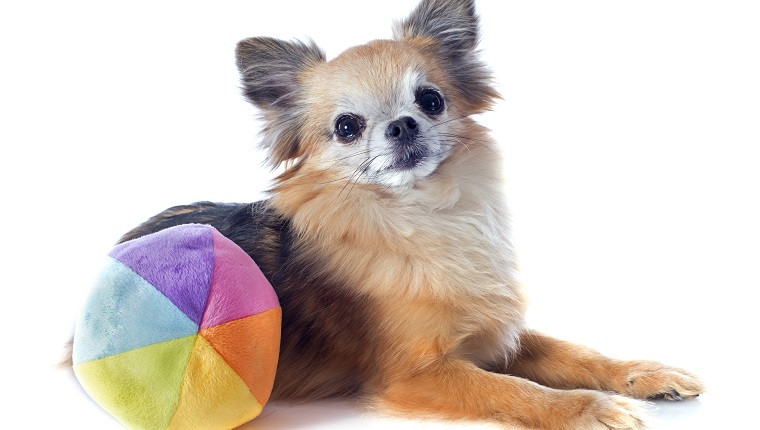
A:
(270, 70)
(454, 26)
(453, 23)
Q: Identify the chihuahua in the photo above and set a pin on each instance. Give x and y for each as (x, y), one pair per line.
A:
(386, 239)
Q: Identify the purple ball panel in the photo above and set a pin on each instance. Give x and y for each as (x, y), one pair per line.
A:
(177, 261)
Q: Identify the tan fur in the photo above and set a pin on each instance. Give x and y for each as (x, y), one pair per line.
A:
(436, 264)
(561, 364)
(406, 294)
(372, 239)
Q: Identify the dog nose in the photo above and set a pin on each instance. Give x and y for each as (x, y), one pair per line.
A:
(403, 130)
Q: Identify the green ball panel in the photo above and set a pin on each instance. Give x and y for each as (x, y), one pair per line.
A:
(140, 387)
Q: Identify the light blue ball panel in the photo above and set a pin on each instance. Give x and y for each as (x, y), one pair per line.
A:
(124, 312)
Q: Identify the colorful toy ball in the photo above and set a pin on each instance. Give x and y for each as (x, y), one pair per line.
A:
(182, 331)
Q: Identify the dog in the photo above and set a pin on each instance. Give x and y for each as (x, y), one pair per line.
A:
(386, 239)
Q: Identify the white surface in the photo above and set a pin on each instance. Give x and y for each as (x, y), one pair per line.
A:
(631, 137)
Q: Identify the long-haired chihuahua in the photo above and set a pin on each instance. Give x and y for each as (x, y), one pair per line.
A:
(387, 242)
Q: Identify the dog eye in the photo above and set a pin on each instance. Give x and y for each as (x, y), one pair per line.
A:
(430, 100)
(348, 128)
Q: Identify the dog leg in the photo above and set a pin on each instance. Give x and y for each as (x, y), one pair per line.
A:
(564, 365)
(457, 389)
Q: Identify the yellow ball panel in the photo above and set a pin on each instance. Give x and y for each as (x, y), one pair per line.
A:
(213, 396)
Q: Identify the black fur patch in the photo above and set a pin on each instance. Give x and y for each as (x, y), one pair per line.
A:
(324, 325)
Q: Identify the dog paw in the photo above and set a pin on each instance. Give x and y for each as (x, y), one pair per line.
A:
(611, 412)
(652, 380)
(577, 410)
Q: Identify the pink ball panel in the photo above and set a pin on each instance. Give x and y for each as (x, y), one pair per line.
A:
(238, 287)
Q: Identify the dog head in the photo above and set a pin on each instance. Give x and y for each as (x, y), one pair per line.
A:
(385, 114)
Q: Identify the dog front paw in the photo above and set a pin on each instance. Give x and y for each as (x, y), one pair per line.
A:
(588, 410)
(652, 380)
(610, 412)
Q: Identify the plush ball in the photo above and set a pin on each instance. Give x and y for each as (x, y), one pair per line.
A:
(181, 331)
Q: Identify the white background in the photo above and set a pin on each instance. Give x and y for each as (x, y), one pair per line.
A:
(630, 133)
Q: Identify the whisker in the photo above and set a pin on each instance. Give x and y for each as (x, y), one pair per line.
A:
(470, 141)
(336, 162)
(354, 154)
(447, 121)
(353, 179)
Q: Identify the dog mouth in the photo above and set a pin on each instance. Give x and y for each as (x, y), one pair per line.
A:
(410, 161)
(403, 164)
(409, 158)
